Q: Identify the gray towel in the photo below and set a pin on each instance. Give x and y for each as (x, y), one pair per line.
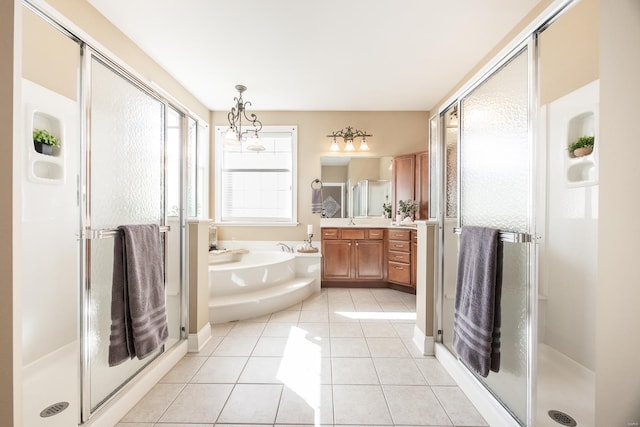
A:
(138, 316)
(476, 328)
(316, 200)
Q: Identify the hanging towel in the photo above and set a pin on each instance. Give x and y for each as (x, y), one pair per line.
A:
(316, 200)
(138, 316)
(476, 327)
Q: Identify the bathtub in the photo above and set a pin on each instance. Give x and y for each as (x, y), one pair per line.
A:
(257, 283)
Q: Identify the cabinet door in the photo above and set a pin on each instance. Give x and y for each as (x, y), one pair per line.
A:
(404, 168)
(422, 185)
(369, 259)
(336, 259)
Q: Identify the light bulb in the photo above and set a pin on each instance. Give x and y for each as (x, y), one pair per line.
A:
(349, 146)
(254, 143)
(231, 137)
(363, 145)
(335, 146)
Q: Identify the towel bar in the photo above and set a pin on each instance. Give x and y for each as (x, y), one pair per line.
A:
(106, 233)
(508, 236)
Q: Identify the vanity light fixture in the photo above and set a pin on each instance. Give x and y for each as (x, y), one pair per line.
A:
(348, 134)
(235, 134)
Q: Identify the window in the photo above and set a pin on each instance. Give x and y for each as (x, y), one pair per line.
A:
(257, 187)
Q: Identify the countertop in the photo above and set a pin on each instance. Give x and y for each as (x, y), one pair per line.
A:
(369, 223)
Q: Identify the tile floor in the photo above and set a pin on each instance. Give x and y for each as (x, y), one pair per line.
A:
(343, 357)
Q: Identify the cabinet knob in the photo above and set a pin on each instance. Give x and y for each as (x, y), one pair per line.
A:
(398, 268)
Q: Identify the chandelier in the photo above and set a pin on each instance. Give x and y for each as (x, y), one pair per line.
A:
(236, 134)
(348, 134)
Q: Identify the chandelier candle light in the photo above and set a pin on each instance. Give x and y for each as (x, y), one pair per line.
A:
(348, 134)
(235, 134)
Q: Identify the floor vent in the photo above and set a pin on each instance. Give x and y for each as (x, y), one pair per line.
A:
(562, 418)
(54, 409)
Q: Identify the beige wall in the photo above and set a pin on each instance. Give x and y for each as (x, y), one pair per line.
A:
(49, 57)
(361, 169)
(10, 316)
(569, 52)
(394, 133)
(198, 237)
(617, 337)
(89, 20)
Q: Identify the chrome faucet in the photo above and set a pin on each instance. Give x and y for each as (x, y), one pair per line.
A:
(351, 221)
(285, 248)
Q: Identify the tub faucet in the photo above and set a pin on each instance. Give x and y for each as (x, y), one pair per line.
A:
(285, 247)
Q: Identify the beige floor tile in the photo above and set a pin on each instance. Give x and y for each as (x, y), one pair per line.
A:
(415, 405)
(342, 316)
(220, 369)
(247, 329)
(395, 306)
(235, 346)
(401, 371)
(353, 370)
(208, 348)
(183, 425)
(315, 329)
(387, 347)
(153, 404)
(184, 370)
(346, 330)
(221, 329)
(306, 405)
(382, 329)
(252, 403)
(458, 407)
(135, 424)
(270, 346)
(360, 404)
(404, 330)
(261, 370)
(278, 329)
(349, 347)
(286, 316)
(433, 372)
(307, 316)
(315, 306)
(198, 403)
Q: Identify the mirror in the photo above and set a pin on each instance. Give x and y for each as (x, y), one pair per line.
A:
(355, 186)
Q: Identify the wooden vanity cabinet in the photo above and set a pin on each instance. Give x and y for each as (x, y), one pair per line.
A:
(399, 257)
(353, 254)
(414, 257)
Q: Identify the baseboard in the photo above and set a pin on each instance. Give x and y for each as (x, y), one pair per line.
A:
(111, 413)
(200, 339)
(488, 406)
(424, 343)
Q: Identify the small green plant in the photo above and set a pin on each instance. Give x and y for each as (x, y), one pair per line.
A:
(407, 207)
(582, 142)
(44, 137)
(386, 207)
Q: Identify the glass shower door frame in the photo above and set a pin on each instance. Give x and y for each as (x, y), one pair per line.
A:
(86, 232)
(532, 279)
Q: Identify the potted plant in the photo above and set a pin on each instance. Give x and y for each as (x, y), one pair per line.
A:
(386, 208)
(583, 146)
(407, 208)
(44, 142)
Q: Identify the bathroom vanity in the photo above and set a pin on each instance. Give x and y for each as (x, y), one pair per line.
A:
(369, 257)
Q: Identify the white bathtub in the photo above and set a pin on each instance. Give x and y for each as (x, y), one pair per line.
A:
(255, 284)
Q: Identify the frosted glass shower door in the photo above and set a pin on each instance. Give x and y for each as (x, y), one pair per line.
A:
(495, 191)
(125, 186)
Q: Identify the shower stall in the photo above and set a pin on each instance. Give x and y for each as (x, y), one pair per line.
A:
(127, 155)
(502, 146)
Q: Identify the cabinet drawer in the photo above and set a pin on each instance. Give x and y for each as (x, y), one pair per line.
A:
(400, 256)
(376, 233)
(352, 233)
(395, 234)
(329, 233)
(399, 273)
(396, 245)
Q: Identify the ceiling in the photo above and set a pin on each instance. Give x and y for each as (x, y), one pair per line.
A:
(329, 55)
